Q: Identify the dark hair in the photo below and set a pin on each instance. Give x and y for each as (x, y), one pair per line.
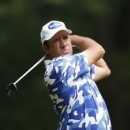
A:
(46, 43)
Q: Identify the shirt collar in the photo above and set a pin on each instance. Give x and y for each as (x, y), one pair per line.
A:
(47, 62)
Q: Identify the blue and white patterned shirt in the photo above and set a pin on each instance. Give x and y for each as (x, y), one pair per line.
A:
(74, 94)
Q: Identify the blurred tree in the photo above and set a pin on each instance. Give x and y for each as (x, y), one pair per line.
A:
(20, 47)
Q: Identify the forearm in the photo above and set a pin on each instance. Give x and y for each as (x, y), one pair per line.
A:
(101, 63)
(101, 70)
(84, 43)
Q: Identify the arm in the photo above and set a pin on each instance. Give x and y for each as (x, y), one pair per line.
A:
(101, 70)
(93, 50)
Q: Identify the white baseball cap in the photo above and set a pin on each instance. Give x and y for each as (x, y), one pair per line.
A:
(51, 28)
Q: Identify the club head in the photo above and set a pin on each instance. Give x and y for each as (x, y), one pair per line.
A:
(11, 90)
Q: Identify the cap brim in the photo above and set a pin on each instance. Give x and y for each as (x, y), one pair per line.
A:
(52, 34)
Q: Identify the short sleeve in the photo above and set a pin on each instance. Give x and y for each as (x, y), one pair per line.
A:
(92, 72)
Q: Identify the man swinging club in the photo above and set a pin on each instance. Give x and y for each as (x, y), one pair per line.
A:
(70, 78)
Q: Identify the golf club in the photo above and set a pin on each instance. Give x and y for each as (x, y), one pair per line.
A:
(11, 89)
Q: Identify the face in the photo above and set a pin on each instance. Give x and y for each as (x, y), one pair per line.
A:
(59, 44)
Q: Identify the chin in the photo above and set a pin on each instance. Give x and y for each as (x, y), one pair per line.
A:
(66, 53)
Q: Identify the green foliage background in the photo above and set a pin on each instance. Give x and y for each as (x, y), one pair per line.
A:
(108, 22)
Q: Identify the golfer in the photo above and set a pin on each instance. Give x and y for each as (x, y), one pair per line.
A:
(70, 78)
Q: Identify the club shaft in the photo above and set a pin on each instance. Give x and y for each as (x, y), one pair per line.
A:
(30, 69)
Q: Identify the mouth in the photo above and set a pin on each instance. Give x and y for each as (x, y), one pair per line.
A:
(65, 49)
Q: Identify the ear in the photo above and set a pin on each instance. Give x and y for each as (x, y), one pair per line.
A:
(45, 48)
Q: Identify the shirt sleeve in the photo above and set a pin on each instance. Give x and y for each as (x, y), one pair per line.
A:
(71, 67)
(92, 72)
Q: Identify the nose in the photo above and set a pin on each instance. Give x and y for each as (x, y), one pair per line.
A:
(62, 42)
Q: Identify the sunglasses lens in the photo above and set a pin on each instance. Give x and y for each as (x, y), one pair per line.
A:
(11, 90)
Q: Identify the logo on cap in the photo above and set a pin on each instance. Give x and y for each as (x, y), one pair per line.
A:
(54, 25)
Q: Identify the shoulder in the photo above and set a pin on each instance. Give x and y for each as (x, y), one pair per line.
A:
(68, 60)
